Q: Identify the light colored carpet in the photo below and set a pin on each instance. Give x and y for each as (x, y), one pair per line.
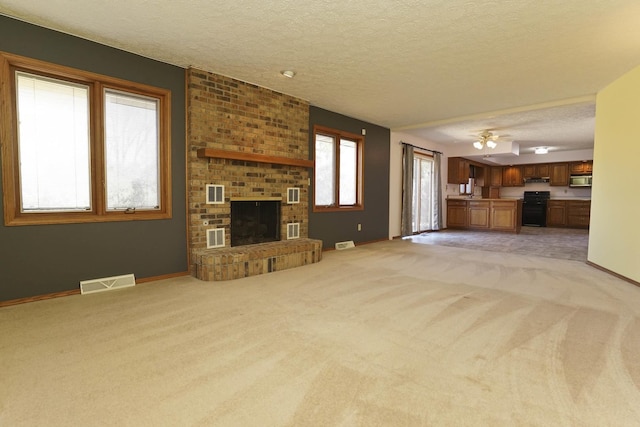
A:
(387, 334)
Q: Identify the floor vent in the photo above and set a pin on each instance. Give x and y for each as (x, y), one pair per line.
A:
(107, 283)
(345, 245)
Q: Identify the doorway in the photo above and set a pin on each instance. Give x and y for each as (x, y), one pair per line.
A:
(422, 217)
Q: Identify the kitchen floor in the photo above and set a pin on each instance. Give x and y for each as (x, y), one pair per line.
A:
(559, 243)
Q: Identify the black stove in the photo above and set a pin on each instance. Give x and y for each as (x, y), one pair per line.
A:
(534, 208)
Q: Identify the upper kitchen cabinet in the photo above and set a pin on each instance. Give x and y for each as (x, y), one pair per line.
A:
(478, 173)
(581, 168)
(512, 176)
(458, 172)
(559, 174)
(538, 170)
(495, 178)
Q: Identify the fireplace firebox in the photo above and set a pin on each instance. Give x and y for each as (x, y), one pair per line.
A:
(255, 221)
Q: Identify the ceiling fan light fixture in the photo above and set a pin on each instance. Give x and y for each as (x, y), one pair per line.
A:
(541, 150)
(486, 138)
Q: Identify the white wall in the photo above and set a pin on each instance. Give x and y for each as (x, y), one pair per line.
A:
(614, 237)
(395, 177)
(556, 192)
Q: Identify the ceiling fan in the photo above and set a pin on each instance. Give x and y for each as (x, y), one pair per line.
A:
(486, 138)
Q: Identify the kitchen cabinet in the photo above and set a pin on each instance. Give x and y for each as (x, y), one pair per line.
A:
(581, 168)
(506, 216)
(512, 176)
(458, 170)
(578, 213)
(568, 213)
(485, 214)
(478, 213)
(556, 213)
(480, 173)
(495, 178)
(456, 213)
(490, 192)
(559, 174)
(537, 170)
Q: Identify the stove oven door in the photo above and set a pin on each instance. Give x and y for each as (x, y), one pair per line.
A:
(534, 213)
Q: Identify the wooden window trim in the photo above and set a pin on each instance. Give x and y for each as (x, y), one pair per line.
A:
(359, 139)
(13, 216)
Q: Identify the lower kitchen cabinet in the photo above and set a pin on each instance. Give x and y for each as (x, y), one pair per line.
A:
(505, 216)
(485, 214)
(556, 213)
(456, 213)
(479, 213)
(578, 213)
(568, 213)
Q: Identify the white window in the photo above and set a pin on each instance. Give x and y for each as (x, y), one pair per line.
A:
(338, 170)
(53, 140)
(82, 147)
(131, 148)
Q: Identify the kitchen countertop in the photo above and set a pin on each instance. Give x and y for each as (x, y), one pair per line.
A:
(482, 198)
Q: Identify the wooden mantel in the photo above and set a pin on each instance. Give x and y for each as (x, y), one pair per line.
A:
(250, 157)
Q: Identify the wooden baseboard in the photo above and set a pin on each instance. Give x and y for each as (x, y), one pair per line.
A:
(39, 297)
(613, 273)
(164, 276)
(77, 291)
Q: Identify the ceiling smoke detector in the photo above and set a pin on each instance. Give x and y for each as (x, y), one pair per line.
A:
(288, 73)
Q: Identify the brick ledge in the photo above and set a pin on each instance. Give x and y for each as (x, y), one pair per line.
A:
(251, 260)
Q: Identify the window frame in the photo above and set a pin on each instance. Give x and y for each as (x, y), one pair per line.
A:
(98, 84)
(338, 135)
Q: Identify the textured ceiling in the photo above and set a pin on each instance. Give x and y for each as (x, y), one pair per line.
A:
(435, 68)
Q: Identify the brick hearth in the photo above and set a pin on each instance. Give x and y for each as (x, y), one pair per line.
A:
(250, 260)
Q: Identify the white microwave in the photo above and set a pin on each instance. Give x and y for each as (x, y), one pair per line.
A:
(580, 181)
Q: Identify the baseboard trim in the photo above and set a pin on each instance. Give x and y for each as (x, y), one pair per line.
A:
(39, 297)
(162, 277)
(613, 273)
(77, 291)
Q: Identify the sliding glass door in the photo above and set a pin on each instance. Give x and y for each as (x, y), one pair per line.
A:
(422, 215)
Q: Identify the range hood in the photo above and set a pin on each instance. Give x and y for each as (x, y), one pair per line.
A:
(536, 179)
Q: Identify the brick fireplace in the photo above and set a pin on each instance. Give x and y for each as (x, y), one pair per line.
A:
(253, 142)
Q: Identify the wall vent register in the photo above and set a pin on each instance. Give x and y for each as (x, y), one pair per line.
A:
(293, 195)
(215, 194)
(215, 238)
(293, 230)
(107, 283)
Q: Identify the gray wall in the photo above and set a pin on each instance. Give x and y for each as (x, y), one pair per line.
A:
(42, 259)
(332, 227)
